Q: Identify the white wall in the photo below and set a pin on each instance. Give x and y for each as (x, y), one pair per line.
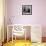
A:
(38, 16)
(1, 21)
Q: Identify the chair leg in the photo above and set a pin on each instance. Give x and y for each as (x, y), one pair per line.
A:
(15, 38)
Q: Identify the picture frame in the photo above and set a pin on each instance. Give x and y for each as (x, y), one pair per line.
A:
(26, 9)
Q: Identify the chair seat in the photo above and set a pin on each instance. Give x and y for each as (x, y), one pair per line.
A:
(18, 33)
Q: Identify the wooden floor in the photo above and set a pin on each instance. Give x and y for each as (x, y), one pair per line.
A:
(18, 43)
(23, 43)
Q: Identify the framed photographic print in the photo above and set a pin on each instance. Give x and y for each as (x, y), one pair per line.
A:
(26, 9)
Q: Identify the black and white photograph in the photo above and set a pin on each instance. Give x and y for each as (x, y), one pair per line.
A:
(26, 9)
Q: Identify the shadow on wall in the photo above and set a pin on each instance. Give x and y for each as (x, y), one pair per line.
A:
(5, 34)
(44, 34)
